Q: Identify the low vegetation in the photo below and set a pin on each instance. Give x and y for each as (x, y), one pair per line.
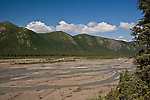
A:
(38, 60)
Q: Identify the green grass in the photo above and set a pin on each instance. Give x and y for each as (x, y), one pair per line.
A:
(108, 57)
(39, 60)
(75, 57)
(29, 57)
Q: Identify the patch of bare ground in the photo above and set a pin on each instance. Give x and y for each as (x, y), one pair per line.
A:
(79, 80)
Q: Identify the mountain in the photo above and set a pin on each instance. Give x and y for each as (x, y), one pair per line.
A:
(15, 41)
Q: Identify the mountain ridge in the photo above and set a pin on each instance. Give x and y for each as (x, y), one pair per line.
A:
(15, 40)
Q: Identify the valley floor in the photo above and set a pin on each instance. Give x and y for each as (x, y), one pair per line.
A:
(82, 79)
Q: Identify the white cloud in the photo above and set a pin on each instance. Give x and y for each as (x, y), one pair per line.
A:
(39, 27)
(92, 24)
(92, 27)
(126, 26)
(120, 37)
(62, 23)
(122, 40)
(72, 28)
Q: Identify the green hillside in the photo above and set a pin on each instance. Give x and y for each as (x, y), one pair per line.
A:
(19, 41)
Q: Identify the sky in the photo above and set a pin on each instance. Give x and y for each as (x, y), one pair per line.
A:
(105, 18)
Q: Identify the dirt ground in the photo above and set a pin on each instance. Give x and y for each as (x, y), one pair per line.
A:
(79, 80)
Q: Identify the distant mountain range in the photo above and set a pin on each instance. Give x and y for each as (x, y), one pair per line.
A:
(19, 41)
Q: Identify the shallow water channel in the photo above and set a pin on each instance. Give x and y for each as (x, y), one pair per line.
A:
(62, 71)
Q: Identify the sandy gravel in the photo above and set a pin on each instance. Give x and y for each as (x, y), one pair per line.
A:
(80, 80)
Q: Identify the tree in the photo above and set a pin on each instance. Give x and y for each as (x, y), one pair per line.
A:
(110, 95)
(122, 90)
(142, 38)
(142, 30)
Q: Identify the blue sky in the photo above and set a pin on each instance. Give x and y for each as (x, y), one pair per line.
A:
(73, 16)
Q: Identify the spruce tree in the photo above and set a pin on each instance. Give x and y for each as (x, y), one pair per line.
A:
(141, 32)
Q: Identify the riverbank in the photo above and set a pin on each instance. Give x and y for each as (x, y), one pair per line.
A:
(83, 79)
